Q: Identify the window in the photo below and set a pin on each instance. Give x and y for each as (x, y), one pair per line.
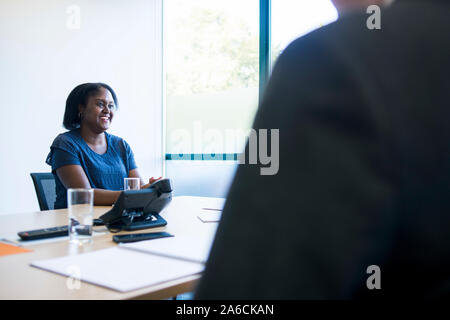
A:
(294, 18)
(217, 59)
(212, 75)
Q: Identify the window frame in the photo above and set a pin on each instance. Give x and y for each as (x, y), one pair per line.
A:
(265, 61)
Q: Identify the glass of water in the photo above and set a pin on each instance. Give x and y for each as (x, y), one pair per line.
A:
(80, 203)
(131, 184)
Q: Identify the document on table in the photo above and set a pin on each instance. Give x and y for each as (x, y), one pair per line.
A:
(10, 248)
(120, 269)
(178, 247)
(210, 215)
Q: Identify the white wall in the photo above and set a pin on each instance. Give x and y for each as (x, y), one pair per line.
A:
(43, 56)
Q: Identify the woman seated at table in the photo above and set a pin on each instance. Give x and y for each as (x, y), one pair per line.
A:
(87, 156)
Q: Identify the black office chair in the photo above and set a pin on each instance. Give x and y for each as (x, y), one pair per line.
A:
(44, 183)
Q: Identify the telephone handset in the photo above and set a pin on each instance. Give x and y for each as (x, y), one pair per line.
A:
(139, 209)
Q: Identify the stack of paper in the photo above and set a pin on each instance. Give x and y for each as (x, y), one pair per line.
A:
(210, 214)
(120, 269)
(135, 265)
(184, 248)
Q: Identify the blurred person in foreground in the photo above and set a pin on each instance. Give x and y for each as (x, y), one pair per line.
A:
(364, 168)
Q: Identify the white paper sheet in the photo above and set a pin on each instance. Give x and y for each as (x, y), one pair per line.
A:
(120, 269)
(180, 247)
(209, 215)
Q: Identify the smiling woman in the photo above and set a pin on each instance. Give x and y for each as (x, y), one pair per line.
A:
(89, 95)
(87, 156)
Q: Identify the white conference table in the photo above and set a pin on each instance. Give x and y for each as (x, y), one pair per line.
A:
(18, 280)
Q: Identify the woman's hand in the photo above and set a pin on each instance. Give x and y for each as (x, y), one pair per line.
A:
(151, 180)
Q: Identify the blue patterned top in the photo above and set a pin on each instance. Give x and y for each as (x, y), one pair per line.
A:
(105, 171)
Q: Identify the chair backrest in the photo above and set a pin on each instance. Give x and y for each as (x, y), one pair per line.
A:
(44, 183)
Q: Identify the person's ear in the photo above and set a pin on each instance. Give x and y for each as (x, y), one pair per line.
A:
(81, 109)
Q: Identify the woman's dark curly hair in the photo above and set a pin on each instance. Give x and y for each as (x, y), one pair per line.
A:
(80, 95)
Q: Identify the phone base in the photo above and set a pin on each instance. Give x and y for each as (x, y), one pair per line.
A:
(138, 223)
(156, 221)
